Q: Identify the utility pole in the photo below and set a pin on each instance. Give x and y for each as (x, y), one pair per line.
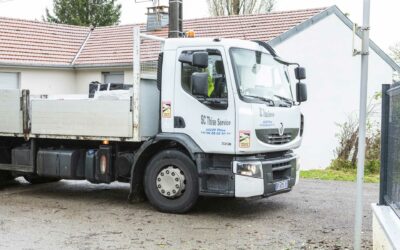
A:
(175, 18)
(363, 119)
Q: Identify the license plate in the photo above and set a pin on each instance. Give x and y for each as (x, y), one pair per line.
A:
(280, 185)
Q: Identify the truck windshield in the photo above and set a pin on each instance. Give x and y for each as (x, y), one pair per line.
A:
(260, 77)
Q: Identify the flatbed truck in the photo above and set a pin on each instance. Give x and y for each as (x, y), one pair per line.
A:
(222, 119)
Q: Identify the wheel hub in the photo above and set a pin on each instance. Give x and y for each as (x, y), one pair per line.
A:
(171, 182)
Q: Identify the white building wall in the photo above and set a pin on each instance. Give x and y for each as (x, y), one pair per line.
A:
(333, 78)
(85, 77)
(48, 81)
(45, 81)
(129, 77)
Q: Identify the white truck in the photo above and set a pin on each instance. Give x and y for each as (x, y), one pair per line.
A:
(221, 120)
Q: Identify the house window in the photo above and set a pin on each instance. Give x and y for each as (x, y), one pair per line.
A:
(113, 77)
(9, 80)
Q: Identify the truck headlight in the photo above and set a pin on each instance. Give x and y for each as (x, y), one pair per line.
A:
(251, 169)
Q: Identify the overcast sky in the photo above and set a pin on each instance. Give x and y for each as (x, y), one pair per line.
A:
(384, 14)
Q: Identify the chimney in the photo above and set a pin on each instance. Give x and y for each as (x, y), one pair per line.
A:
(157, 17)
(175, 19)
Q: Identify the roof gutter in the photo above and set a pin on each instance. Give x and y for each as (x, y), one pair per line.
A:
(34, 66)
(92, 66)
(66, 66)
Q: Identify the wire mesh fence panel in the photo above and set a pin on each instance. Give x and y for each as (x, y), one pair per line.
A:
(392, 195)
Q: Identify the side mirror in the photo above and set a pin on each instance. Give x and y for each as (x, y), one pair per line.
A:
(200, 84)
(300, 73)
(196, 59)
(301, 92)
(200, 59)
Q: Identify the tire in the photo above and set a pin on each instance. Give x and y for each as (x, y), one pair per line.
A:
(35, 179)
(187, 198)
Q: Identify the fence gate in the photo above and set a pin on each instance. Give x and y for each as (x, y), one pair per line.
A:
(390, 147)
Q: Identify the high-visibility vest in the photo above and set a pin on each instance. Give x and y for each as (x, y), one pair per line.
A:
(210, 85)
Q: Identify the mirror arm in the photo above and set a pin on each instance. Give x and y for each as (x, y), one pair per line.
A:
(267, 47)
(280, 60)
(274, 54)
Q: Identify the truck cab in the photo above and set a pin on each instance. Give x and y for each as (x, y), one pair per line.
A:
(238, 102)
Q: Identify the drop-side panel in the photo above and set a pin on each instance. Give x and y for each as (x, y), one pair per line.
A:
(10, 111)
(100, 118)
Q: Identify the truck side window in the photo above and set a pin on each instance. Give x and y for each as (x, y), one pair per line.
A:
(216, 76)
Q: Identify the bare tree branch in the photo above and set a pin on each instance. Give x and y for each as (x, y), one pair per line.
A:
(395, 49)
(239, 7)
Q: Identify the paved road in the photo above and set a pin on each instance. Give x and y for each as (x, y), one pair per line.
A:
(78, 215)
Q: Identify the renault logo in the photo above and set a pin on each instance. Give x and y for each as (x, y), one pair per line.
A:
(281, 130)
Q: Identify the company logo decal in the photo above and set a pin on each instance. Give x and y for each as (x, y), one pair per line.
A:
(281, 130)
(266, 114)
(266, 123)
(166, 109)
(214, 126)
(244, 139)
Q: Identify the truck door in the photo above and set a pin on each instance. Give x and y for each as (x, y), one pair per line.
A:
(210, 121)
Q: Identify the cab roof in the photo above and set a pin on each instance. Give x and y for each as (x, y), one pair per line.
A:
(177, 43)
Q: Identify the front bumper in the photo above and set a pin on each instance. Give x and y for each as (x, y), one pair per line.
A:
(275, 171)
(219, 176)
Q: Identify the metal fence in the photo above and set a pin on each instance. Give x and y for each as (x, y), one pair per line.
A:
(390, 147)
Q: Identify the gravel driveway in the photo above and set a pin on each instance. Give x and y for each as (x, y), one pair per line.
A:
(78, 215)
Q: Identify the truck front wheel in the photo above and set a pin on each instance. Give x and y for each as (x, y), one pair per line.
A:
(171, 182)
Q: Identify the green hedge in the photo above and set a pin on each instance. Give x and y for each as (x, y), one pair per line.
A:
(371, 166)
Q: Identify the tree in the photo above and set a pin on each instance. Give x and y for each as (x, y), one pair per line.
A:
(395, 49)
(84, 12)
(346, 152)
(239, 7)
(396, 52)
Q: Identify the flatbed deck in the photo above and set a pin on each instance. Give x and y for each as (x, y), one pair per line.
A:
(66, 117)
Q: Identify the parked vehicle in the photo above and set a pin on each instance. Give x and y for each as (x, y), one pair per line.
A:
(220, 120)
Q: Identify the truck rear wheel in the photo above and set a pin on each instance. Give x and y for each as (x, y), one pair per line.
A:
(171, 182)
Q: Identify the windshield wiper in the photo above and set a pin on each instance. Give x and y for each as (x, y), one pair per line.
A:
(286, 100)
(267, 100)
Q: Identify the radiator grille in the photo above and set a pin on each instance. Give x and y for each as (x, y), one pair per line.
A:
(281, 171)
(272, 136)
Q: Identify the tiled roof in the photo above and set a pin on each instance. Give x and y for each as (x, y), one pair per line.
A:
(113, 45)
(32, 42)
